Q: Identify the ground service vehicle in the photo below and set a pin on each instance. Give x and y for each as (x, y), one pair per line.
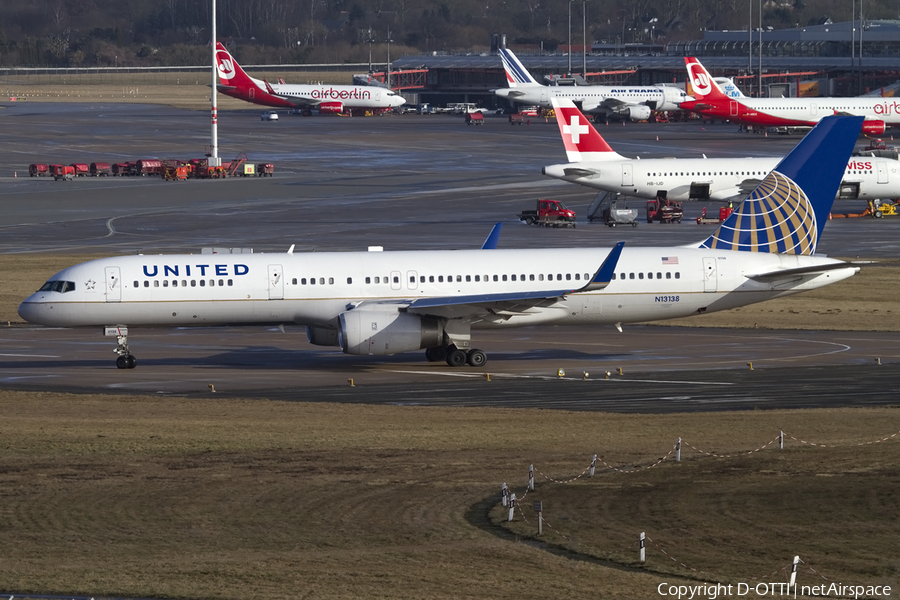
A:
(474, 118)
(705, 219)
(664, 210)
(269, 115)
(63, 172)
(549, 213)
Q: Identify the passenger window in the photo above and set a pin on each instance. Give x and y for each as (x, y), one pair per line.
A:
(156, 283)
(440, 279)
(202, 283)
(230, 282)
(577, 276)
(468, 278)
(640, 275)
(193, 283)
(330, 281)
(422, 279)
(431, 279)
(668, 276)
(496, 278)
(613, 277)
(659, 275)
(294, 281)
(368, 280)
(174, 283)
(478, 278)
(513, 277)
(44, 287)
(459, 278)
(588, 276)
(412, 278)
(312, 280)
(212, 283)
(378, 280)
(349, 280)
(631, 276)
(504, 278)
(303, 281)
(165, 283)
(184, 283)
(568, 277)
(559, 276)
(540, 276)
(677, 275)
(146, 284)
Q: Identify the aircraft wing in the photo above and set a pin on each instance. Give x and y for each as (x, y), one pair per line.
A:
(613, 105)
(299, 100)
(505, 305)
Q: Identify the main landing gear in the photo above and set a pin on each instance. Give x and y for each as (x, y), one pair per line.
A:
(126, 359)
(456, 357)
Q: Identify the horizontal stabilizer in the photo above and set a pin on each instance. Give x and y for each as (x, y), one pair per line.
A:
(574, 172)
(793, 273)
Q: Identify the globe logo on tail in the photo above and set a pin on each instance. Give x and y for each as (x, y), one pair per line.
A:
(777, 217)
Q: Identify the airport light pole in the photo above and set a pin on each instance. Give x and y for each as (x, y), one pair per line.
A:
(389, 58)
(213, 160)
(570, 38)
(584, 39)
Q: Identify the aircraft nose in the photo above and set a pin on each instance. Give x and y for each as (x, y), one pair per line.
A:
(30, 310)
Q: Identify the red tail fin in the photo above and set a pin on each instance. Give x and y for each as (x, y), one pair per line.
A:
(582, 141)
(703, 86)
(230, 73)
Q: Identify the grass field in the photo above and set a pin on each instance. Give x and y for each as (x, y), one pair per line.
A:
(203, 498)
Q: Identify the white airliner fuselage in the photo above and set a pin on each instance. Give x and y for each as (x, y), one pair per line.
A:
(315, 289)
(717, 178)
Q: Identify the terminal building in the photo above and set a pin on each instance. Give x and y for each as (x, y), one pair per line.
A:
(825, 60)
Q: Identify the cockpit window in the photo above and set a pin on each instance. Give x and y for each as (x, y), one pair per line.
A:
(58, 286)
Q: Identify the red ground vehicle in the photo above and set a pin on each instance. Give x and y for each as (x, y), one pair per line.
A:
(100, 169)
(549, 213)
(265, 170)
(81, 169)
(664, 210)
(63, 172)
(724, 213)
(474, 118)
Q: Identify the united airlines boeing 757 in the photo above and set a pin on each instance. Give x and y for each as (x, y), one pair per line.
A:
(381, 303)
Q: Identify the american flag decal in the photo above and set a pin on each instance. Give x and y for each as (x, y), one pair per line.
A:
(670, 260)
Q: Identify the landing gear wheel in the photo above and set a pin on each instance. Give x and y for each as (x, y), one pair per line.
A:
(435, 354)
(132, 361)
(476, 358)
(122, 362)
(456, 357)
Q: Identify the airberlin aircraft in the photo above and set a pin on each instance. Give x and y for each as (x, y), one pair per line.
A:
(593, 163)
(325, 98)
(710, 101)
(381, 303)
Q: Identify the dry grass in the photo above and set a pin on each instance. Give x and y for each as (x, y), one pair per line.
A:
(201, 498)
(181, 90)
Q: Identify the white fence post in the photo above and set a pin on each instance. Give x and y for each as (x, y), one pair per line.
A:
(531, 477)
(781, 440)
(643, 550)
(504, 494)
(678, 450)
(593, 464)
(793, 580)
(539, 509)
(512, 506)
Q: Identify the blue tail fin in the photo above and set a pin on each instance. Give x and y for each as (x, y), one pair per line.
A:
(786, 213)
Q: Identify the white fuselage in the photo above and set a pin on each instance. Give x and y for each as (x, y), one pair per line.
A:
(592, 96)
(314, 289)
(864, 177)
(808, 111)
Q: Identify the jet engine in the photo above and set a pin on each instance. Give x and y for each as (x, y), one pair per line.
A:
(873, 127)
(320, 336)
(638, 113)
(331, 108)
(384, 332)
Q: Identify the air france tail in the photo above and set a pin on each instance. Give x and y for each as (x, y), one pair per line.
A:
(516, 73)
(582, 141)
(787, 211)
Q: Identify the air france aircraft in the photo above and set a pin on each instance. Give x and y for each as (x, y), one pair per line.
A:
(593, 163)
(623, 101)
(326, 98)
(710, 101)
(382, 303)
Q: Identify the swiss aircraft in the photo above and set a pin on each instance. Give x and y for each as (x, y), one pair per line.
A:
(593, 163)
(710, 101)
(382, 303)
(622, 101)
(325, 98)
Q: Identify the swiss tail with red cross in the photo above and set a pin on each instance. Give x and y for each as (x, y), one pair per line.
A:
(583, 143)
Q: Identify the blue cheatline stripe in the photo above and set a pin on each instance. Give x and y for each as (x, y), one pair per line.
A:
(513, 66)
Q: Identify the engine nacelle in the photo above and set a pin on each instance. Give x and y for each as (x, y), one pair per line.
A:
(638, 113)
(873, 127)
(320, 336)
(382, 332)
(331, 108)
